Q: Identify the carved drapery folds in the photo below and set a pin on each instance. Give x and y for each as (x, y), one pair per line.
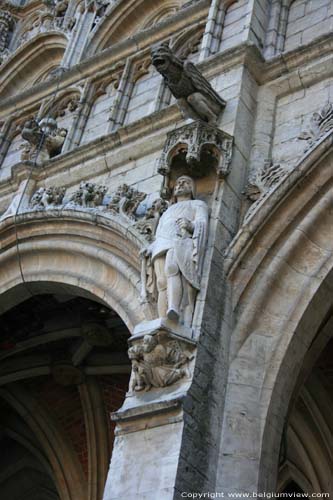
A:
(158, 361)
(195, 148)
(195, 96)
(172, 263)
(44, 140)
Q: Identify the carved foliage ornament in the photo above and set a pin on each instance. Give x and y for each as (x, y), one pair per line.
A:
(321, 122)
(263, 183)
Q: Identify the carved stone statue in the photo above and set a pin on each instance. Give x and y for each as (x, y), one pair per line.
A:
(48, 197)
(89, 195)
(176, 256)
(195, 96)
(44, 139)
(156, 364)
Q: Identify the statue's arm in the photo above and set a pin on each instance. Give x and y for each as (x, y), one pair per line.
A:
(200, 234)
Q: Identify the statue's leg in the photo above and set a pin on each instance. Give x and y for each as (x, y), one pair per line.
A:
(161, 284)
(205, 109)
(174, 288)
(189, 309)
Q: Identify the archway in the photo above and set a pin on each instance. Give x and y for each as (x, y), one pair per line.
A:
(70, 293)
(63, 370)
(282, 282)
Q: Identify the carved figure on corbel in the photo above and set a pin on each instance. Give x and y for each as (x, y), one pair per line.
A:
(89, 195)
(197, 148)
(195, 96)
(48, 197)
(158, 361)
(320, 123)
(125, 201)
(44, 140)
(172, 263)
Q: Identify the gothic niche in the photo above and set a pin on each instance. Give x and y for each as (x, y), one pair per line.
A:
(44, 140)
(197, 149)
(158, 361)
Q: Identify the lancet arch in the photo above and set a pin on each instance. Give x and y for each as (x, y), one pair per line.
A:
(31, 61)
(125, 18)
(281, 274)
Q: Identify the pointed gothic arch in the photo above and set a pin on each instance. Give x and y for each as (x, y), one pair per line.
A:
(31, 61)
(125, 18)
(281, 274)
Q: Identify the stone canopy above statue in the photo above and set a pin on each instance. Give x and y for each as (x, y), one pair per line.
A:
(195, 96)
(196, 149)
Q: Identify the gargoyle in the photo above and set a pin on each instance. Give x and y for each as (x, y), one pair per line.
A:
(195, 96)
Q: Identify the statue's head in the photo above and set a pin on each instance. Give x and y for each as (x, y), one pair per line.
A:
(163, 58)
(184, 186)
(48, 125)
(149, 343)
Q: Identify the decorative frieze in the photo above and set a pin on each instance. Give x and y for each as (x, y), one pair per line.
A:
(89, 195)
(48, 197)
(195, 96)
(320, 123)
(125, 201)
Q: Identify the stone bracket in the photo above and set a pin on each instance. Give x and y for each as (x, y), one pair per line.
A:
(163, 325)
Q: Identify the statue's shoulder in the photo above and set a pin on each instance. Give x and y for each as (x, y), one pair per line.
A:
(200, 204)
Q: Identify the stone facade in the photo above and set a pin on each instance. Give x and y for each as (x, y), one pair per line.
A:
(166, 268)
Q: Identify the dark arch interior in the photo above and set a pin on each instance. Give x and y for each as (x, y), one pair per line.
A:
(292, 488)
(51, 344)
(308, 438)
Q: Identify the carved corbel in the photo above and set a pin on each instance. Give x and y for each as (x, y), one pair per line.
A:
(159, 359)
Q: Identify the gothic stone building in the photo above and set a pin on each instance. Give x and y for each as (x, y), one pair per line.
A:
(166, 248)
